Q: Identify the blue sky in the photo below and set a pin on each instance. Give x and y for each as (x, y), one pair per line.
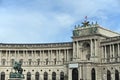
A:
(44, 21)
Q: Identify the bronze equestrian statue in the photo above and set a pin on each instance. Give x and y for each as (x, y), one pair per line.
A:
(18, 71)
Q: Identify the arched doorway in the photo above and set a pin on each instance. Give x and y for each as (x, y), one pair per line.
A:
(75, 74)
(93, 74)
(2, 75)
(45, 76)
(37, 76)
(28, 76)
(62, 76)
(116, 75)
(108, 75)
(53, 76)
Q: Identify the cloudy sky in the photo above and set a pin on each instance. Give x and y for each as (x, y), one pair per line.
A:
(44, 21)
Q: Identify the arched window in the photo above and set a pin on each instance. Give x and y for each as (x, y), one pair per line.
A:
(62, 76)
(86, 51)
(108, 75)
(2, 75)
(37, 76)
(116, 75)
(75, 74)
(53, 76)
(45, 76)
(93, 74)
(28, 76)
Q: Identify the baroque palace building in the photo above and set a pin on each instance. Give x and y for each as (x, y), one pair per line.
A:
(93, 54)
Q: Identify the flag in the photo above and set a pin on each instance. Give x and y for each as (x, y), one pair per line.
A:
(85, 17)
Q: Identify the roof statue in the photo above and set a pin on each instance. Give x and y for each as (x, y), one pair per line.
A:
(85, 23)
(18, 71)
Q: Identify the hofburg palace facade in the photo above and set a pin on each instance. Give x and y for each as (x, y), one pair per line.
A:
(93, 54)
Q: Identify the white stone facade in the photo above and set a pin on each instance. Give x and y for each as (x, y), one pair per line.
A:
(94, 54)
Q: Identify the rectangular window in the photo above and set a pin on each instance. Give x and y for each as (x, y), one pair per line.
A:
(30, 61)
(47, 61)
(12, 61)
(38, 61)
(21, 61)
(3, 61)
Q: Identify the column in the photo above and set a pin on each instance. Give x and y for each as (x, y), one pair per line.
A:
(15, 54)
(74, 50)
(33, 59)
(113, 52)
(105, 54)
(49, 58)
(110, 53)
(6, 55)
(25, 57)
(67, 54)
(95, 48)
(70, 74)
(8, 61)
(112, 75)
(18, 54)
(102, 55)
(118, 49)
(58, 57)
(91, 47)
(118, 52)
(41, 57)
(77, 49)
(0, 56)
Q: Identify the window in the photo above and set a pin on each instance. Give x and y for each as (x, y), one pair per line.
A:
(3, 61)
(63, 60)
(108, 75)
(45, 76)
(2, 76)
(21, 53)
(37, 76)
(53, 76)
(21, 61)
(55, 61)
(62, 76)
(93, 75)
(12, 61)
(30, 53)
(116, 74)
(47, 61)
(38, 61)
(38, 53)
(75, 74)
(30, 61)
(28, 76)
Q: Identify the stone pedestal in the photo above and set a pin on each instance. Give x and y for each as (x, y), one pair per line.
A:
(15, 79)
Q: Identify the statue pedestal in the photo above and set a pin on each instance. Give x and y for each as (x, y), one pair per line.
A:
(15, 79)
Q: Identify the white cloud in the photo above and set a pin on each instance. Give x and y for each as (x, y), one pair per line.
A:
(44, 21)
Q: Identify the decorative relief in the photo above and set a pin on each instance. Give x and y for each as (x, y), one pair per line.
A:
(86, 31)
